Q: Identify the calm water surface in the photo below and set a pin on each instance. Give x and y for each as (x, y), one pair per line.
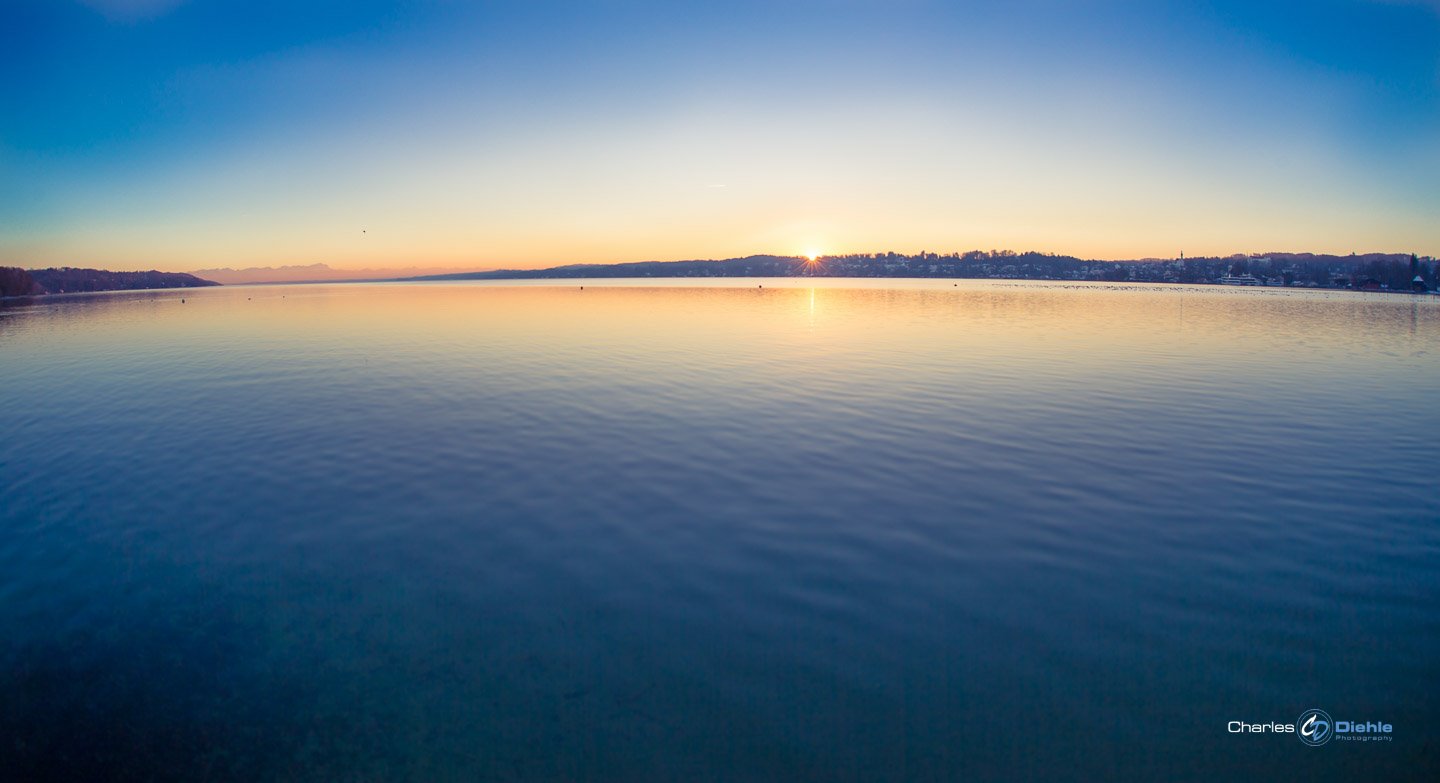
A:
(840, 530)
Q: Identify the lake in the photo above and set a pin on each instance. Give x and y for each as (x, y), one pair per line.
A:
(691, 530)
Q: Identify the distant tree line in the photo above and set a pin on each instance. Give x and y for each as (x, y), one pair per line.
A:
(17, 282)
(1304, 269)
(67, 280)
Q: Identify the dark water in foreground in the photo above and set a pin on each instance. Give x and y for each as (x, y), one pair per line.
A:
(879, 530)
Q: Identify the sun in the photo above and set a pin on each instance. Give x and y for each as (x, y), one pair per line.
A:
(813, 254)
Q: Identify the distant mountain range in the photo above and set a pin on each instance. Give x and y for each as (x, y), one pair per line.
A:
(750, 266)
(312, 273)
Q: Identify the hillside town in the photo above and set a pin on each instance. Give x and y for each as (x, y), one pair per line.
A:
(1371, 272)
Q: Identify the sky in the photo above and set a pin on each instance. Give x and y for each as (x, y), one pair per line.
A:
(194, 134)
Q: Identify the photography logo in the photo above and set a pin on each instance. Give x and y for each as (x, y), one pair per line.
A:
(1314, 727)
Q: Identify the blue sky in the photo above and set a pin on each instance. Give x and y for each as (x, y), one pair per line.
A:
(184, 134)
